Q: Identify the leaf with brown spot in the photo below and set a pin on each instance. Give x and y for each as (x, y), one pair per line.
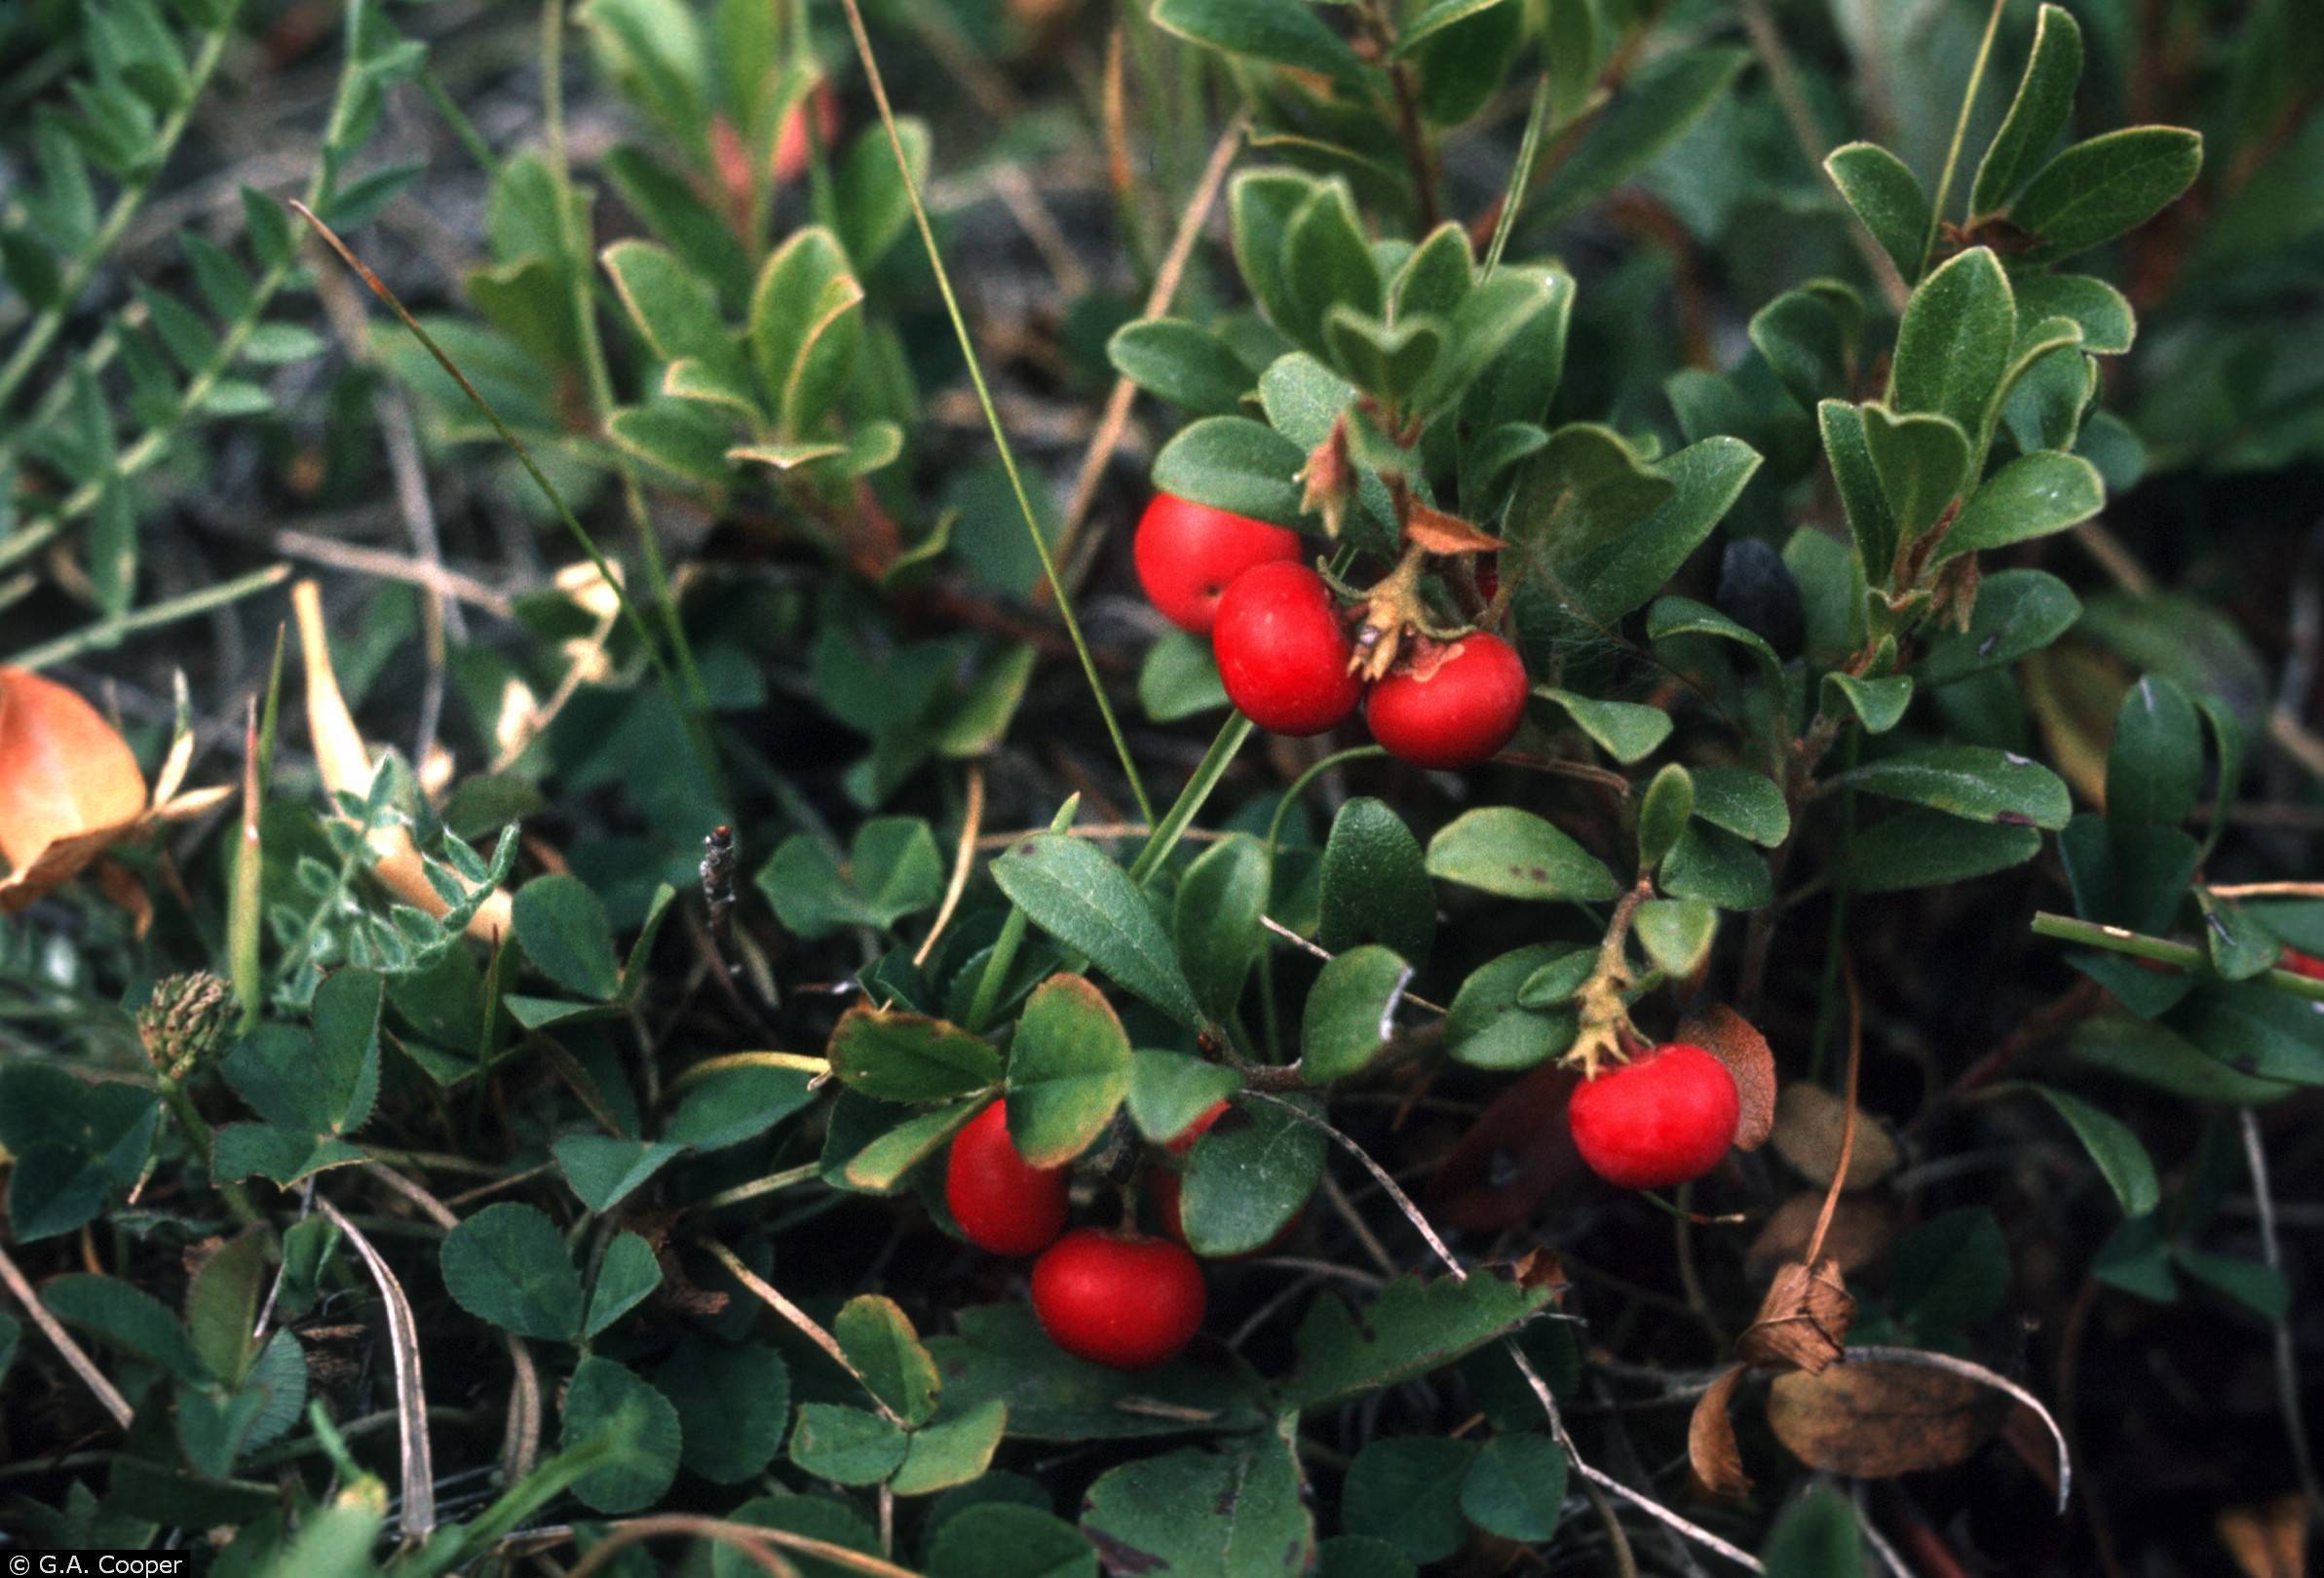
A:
(1736, 1042)
(1442, 533)
(1875, 1421)
(1712, 1456)
(1804, 1322)
(1808, 1125)
(1861, 1231)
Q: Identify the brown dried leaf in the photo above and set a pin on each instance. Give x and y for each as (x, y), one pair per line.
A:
(1442, 533)
(1808, 1125)
(1874, 1421)
(1540, 1267)
(1804, 1322)
(1716, 1462)
(2266, 1541)
(1736, 1042)
(1862, 1230)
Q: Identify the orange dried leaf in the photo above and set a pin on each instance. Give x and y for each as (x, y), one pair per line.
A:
(1712, 1455)
(1736, 1042)
(69, 787)
(1442, 533)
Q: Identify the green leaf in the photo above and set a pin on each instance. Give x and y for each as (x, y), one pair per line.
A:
(1817, 1538)
(806, 325)
(323, 1084)
(879, 1166)
(1609, 581)
(2032, 497)
(285, 1156)
(1684, 616)
(1179, 679)
(1278, 32)
(1414, 1327)
(2259, 1030)
(1927, 849)
(2157, 1056)
(563, 931)
(1235, 464)
(1183, 363)
(1517, 854)
(130, 1318)
(604, 1169)
(1879, 704)
(683, 437)
(1170, 1090)
(1351, 1012)
(1384, 361)
(1627, 731)
(2258, 1288)
(1517, 1487)
(674, 310)
(606, 1399)
(953, 1451)
(1216, 921)
(2154, 764)
(627, 1274)
(1656, 108)
(733, 1399)
(1887, 196)
(1921, 462)
(507, 1264)
(882, 1344)
(902, 1057)
(1375, 884)
(816, 1516)
(1197, 1514)
(733, 1105)
(1952, 1271)
(1070, 890)
(1744, 802)
(1858, 480)
(1406, 1490)
(1585, 488)
(1808, 341)
(1955, 341)
(846, 1446)
(1436, 18)
(2018, 612)
(998, 1540)
(1000, 1352)
(2042, 109)
(870, 207)
(1490, 1025)
(2096, 191)
(893, 871)
(1973, 782)
(1676, 933)
(2127, 1167)
(1328, 263)
(1260, 204)
(1711, 863)
(2108, 323)
(1556, 984)
(1663, 813)
(1068, 1071)
(1247, 1176)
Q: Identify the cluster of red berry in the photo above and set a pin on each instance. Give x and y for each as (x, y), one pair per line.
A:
(1121, 1299)
(1285, 647)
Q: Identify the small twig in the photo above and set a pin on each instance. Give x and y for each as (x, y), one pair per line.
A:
(417, 1515)
(1341, 1204)
(2265, 890)
(1847, 1122)
(73, 1353)
(963, 862)
(2287, 1363)
(800, 1319)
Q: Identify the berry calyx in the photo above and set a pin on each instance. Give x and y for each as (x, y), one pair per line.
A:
(1189, 554)
(1003, 1205)
(1119, 1299)
(1282, 651)
(1448, 705)
(1664, 1118)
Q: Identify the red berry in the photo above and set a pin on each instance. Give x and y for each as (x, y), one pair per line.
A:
(1661, 1119)
(1118, 1300)
(1282, 651)
(1002, 1203)
(2302, 964)
(1450, 706)
(1189, 554)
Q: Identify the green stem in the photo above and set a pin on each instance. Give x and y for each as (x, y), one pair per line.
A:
(1520, 176)
(2137, 945)
(1274, 835)
(1002, 959)
(1961, 131)
(126, 204)
(198, 1134)
(991, 415)
(111, 633)
(1207, 772)
(1827, 1003)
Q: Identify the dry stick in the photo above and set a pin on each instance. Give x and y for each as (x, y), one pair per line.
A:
(417, 1513)
(2287, 1372)
(1848, 1124)
(74, 1355)
(743, 1538)
(800, 1319)
(1108, 437)
(1525, 1367)
(444, 583)
(964, 860)
(2265, 890)
(1926, 1360)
